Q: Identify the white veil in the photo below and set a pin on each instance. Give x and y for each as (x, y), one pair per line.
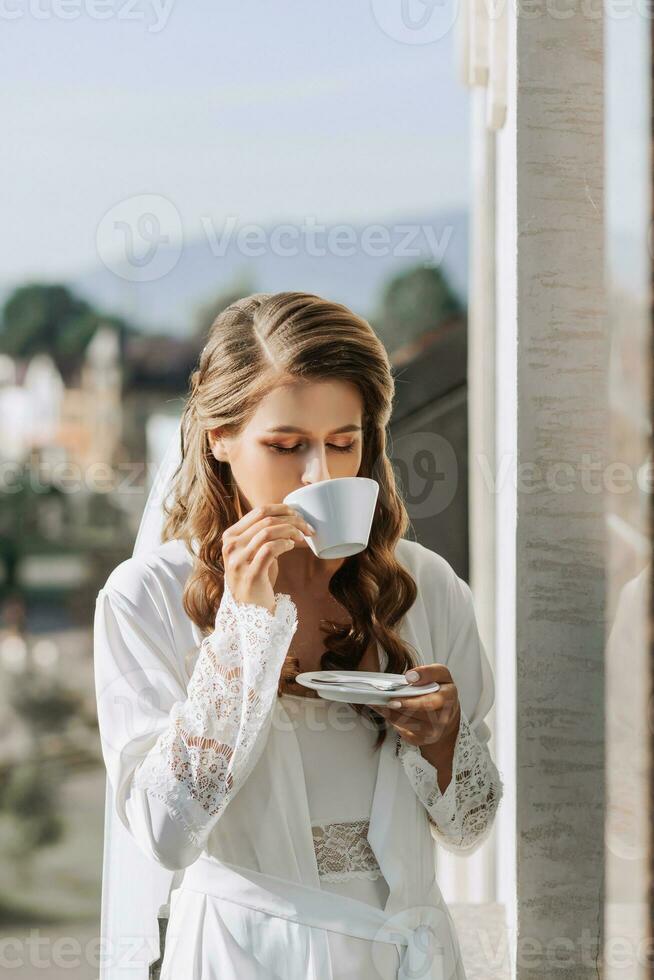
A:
(135, 889)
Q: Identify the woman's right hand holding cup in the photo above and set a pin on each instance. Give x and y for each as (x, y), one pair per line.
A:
(251, 546)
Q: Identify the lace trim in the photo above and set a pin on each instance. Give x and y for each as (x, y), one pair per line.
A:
(343, 851)
(216, 735)
(463, 816)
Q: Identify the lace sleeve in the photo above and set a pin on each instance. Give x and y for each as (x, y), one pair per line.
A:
(461, 817)
(215, 736)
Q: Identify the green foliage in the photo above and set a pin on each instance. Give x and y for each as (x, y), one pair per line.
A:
(30, 801)
(414, 303)
(20, 531)
(46, 706)
(30, 790)
(49, 318)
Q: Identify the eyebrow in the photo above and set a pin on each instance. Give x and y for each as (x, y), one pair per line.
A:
(293, 428)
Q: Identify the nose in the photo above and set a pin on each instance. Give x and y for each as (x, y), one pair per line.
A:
(316, 468)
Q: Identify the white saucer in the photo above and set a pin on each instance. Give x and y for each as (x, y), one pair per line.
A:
(360, 695)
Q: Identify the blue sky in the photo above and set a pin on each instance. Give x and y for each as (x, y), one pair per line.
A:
(265, 111)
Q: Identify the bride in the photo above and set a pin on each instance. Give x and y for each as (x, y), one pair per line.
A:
(284, 835)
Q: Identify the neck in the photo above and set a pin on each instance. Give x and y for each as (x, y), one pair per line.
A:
(301, 568)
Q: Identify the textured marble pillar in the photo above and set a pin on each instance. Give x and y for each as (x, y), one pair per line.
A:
(561, 399)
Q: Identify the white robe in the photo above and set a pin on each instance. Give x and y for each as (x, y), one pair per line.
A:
(239, 864)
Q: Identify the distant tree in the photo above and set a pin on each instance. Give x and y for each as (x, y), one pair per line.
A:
(207, 312)
(30, 791)
(45, 706)
(30, 809)
(413, 303)
(19, 526)
(44, 317)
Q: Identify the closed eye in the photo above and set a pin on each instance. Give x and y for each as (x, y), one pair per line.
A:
(293, 449)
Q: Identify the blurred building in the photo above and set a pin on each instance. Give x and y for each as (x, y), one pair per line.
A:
(79, 423)
(80, 460)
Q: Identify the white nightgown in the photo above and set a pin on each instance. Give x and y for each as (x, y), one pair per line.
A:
(184, 722)
(340, 769)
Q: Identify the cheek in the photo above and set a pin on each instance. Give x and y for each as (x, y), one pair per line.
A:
(275, 465)
(265, 476)
(249, 466)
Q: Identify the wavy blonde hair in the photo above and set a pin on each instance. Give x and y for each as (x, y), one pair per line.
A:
(251, 346)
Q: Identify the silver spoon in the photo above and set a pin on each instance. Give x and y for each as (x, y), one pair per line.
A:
(379, 684)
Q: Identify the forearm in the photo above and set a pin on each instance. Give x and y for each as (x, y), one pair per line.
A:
(463, 813)
(160, 830)
(215, 736)
(440, 753)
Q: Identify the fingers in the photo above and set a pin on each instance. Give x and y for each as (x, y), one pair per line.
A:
(420, 731)
(431, 673)
(406, 733)
(419, 734)
(243, 541)
(260, 520)
(423, 718)
(256, 514)
(421, 704)
(260, 517)
(267, 553)
(251, 546)
(277, 532)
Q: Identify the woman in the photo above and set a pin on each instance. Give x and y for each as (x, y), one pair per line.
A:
(300, 831)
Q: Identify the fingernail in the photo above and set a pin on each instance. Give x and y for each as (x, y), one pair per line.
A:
(394, 704)
(412, 675)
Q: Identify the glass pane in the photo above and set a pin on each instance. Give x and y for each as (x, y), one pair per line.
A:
(629, 242)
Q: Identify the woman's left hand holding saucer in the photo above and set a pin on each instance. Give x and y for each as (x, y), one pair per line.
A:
(428, 719)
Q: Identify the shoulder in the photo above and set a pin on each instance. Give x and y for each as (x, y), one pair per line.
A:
(446, 597)
(140, 623)
(161, 571)
(428, 567)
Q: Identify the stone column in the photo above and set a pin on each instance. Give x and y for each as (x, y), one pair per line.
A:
(560, 377)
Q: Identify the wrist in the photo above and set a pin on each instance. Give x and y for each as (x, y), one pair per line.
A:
(440, 754)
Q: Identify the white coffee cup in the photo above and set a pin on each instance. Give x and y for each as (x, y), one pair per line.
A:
(341, 510)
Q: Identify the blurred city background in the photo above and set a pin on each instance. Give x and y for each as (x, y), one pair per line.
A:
(160, 162)
(219, 120)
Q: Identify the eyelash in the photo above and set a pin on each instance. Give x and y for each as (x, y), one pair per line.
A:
(292, 449)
